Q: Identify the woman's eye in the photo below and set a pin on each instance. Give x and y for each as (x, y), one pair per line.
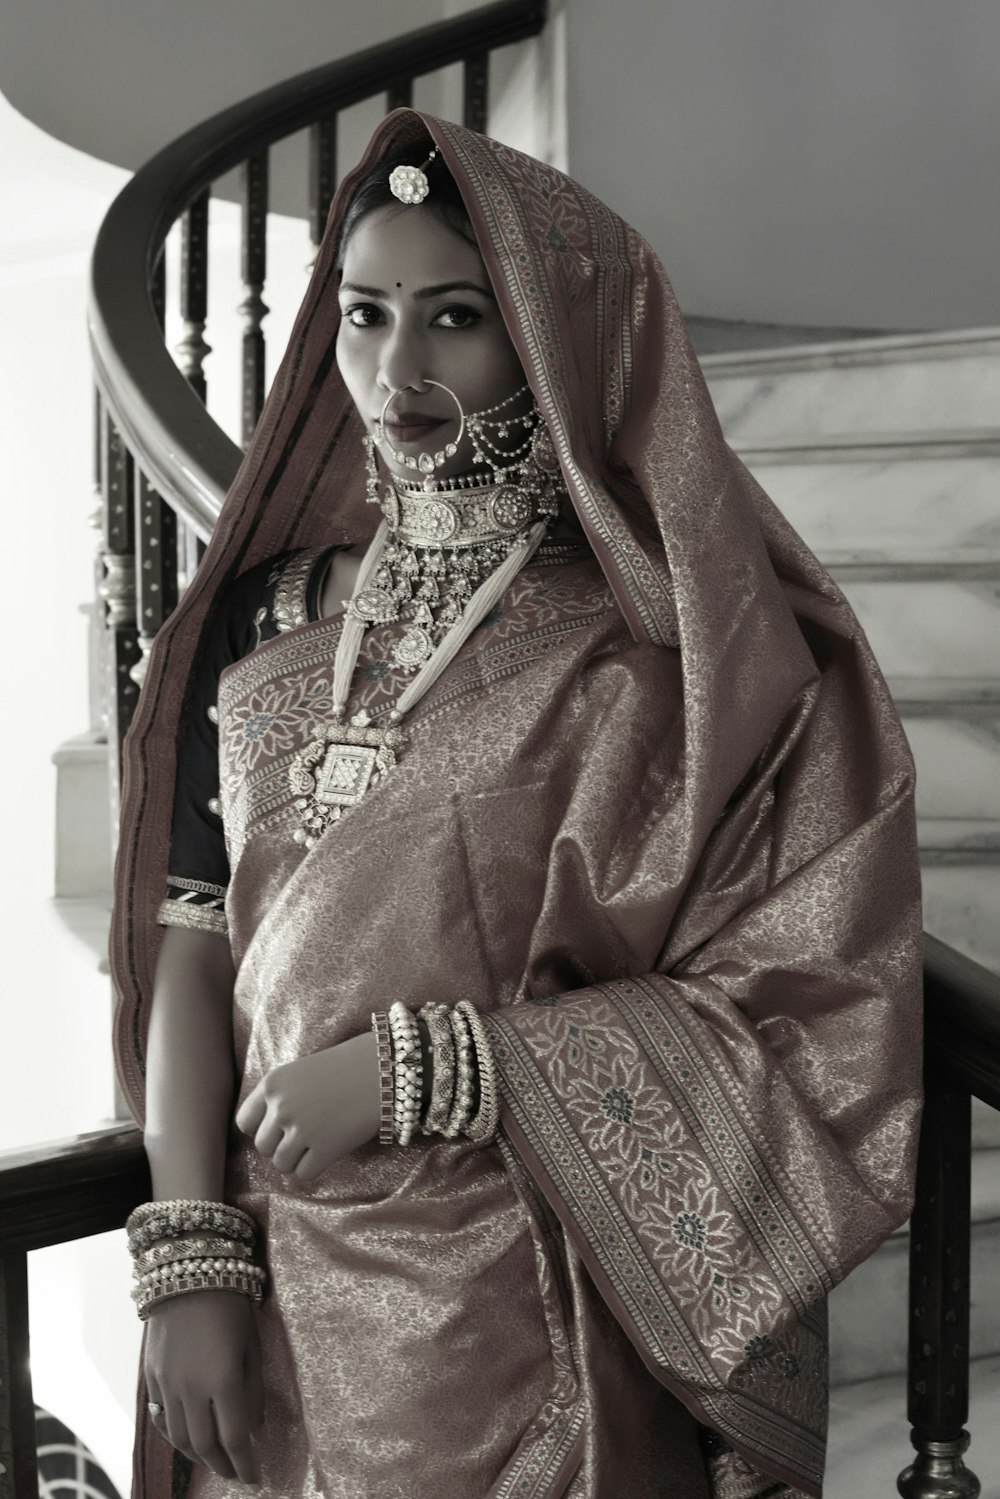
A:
(362, 315)
(457, 317)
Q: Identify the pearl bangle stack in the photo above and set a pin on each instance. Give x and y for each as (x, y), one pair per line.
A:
(188, 1245)
(464, 1097)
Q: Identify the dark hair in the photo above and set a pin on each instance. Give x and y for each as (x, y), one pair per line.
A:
(444, 198)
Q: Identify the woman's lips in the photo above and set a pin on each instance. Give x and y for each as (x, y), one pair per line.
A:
(411, 428)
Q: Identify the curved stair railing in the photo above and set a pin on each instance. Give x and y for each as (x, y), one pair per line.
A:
(163, 465)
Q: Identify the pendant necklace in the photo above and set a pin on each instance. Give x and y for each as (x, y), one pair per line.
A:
(337, 768)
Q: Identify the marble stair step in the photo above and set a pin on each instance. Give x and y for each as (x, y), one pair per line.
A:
(932, 382)
(868, 1312)
(958, 765)
(985, 1126)
(83, 818)
(891, 503)
(962, 908)
(928, 627)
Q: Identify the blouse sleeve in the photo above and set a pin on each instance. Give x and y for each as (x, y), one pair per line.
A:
(275, 596)
(198, 869)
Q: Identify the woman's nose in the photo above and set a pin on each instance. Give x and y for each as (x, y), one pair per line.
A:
(402, 363)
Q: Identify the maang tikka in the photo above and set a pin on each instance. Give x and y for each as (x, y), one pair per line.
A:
(409, 184)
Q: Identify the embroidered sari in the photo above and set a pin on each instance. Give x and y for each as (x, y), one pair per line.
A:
(656, 822)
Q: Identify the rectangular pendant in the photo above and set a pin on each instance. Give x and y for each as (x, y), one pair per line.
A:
(345, 774)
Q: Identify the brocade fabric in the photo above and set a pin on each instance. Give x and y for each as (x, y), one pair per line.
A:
(656, 821)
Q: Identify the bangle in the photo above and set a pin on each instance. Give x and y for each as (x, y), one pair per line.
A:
(483, 1124)
(168, 1220)
(443, 1074)
(407, 1062)
(465, 1076)
(225, 1280)
(383, 1040)
(175, 1249)
(181, 1269)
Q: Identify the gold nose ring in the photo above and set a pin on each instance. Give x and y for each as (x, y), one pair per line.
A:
(425, 463)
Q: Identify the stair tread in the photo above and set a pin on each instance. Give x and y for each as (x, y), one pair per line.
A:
(891, 348)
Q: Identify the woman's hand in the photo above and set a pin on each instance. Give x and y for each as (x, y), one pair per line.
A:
(203, 1365)
(306, 1114)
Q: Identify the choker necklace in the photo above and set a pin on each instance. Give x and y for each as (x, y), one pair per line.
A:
(447, 536)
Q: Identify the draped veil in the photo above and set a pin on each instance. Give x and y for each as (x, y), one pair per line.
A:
(768, 1027)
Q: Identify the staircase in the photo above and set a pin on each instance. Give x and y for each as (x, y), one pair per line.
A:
(885, 455)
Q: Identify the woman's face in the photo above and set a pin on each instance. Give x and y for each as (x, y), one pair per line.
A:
(416, 306)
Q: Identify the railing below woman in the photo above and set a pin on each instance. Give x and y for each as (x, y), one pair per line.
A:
(50, 1194)
(69, 1189)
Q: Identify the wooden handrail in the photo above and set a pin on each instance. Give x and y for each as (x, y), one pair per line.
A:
(962, 1019)
(171, 436)
(68, 1189)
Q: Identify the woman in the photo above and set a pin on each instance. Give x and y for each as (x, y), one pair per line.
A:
(653, 818)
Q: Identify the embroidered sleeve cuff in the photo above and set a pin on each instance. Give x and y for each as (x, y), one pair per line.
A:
(196, 904)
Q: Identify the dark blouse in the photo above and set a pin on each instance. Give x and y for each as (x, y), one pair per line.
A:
(276, 596)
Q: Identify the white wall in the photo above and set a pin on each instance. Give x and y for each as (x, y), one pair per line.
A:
(799, 162)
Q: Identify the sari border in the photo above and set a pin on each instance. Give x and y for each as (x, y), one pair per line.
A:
(707, 1411)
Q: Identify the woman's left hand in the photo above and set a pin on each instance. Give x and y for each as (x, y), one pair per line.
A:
(306, 1114)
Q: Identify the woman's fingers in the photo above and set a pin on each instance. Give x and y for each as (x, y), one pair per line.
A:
(232, 1420)
(252, 1110)
(173, 1425)
(288, 1153)
(204, 1439)
(269, 1137)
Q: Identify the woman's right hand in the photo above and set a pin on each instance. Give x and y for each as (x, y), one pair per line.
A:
(203, 1365)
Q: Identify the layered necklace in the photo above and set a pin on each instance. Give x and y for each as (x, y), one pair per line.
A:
(444, 554)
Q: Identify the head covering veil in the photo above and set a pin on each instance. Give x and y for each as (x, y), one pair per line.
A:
(775, 670)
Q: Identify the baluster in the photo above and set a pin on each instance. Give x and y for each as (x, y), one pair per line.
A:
(18, 1450)
(938, 1405)
(322, 174)
(399, 94)
(158, 289)
(253, 308)
(95, 609)
(192, 349)
(476, 84)
(117, 589)
(156, 567)
(190, 550)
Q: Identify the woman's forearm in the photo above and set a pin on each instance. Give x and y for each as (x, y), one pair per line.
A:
(190, 1076)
